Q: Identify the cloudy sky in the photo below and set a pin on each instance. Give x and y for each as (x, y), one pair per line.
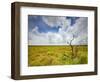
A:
(57, 30)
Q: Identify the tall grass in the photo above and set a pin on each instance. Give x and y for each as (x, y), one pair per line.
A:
(57, 55)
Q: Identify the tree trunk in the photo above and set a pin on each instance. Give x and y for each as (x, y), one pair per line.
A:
(72, 51)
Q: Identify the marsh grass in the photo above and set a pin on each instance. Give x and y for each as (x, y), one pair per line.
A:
(57, 55)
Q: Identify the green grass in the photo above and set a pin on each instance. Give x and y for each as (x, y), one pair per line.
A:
(57, 55)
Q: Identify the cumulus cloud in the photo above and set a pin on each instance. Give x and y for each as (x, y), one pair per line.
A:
(55, 21)
(37, 38)
(65, 33)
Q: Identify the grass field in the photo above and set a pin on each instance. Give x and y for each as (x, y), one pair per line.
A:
(57, 55)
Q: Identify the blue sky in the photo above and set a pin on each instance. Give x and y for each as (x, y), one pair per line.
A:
(42, 26)
(50, 29)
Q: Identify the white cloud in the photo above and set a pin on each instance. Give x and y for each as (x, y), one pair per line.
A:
(54, 38)
(79, 29)
(53, 21)
(44, 38)
(37, 38)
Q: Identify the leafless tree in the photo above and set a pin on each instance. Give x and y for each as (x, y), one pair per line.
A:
(70, 43)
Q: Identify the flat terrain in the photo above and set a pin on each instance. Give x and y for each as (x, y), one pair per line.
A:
(57, 55)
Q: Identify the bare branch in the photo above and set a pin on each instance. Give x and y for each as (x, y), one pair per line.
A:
(70, 43)
(72, 39)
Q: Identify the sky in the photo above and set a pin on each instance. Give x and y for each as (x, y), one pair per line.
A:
(57, 30)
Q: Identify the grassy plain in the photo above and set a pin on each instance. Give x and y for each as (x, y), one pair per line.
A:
(57, 55)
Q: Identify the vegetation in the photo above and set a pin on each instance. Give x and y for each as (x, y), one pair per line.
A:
(57, 55)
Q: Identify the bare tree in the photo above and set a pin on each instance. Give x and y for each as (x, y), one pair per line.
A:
(72, 47)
